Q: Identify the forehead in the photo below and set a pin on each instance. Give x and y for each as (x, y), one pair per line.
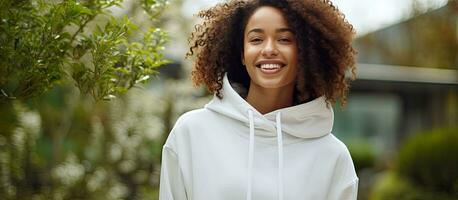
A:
(267, 17)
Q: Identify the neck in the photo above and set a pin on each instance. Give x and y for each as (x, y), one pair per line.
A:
(266, 100)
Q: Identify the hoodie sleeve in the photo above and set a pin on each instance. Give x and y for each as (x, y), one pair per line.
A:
(171, 183)
(345, 181)
(346, 192)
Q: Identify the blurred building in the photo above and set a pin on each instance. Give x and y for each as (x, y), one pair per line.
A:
(407, 81)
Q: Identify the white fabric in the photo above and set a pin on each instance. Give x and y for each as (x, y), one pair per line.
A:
(280, 157)
(229, 151)
(250, 154)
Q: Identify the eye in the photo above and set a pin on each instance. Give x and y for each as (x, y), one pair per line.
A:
(255, 40)
(285, 40)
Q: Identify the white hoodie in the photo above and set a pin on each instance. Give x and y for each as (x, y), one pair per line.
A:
(229, 151)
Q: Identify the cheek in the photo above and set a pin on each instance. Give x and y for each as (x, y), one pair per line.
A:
(291, 52)
(249, 54)
(292, 56)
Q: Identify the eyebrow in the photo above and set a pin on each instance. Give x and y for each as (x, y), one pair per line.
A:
(280, 30)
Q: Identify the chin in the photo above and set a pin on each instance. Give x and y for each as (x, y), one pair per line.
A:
(270, 83)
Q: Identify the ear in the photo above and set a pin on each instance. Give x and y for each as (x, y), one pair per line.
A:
(242, 58)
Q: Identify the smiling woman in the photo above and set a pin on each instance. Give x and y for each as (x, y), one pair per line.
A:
(275, 66)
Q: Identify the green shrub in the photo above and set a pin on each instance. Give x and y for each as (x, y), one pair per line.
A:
(430, 160)
(391, 186)
(362, 153)
(46, 43)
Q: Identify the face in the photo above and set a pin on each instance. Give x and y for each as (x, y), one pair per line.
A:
(270, 49)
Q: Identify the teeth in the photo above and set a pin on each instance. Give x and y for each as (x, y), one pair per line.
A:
(270, 66)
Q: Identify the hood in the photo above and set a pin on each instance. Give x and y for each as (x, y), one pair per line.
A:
(308, 120)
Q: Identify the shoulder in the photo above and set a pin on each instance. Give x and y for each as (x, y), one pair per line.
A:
(344, 162)
(189, 123)
(192, 128)
(180, 128)
(193, 118)
(334, 145)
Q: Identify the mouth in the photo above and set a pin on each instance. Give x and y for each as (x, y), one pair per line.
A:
(270, 67)
(270, 64)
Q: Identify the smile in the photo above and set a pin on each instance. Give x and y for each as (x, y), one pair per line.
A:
(270, 68)
(270, 64)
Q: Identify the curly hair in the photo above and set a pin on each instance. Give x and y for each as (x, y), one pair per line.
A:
(322, 33)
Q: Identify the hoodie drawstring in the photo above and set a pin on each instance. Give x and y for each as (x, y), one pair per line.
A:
(251, 155)
(280, 157)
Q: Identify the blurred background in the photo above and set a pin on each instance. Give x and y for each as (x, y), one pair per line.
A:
(90, 90)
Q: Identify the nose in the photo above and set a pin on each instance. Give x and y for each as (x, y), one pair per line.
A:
(269, 49)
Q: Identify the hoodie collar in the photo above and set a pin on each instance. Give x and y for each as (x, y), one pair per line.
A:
(308, 120)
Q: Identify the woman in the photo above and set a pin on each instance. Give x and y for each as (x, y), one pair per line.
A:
(275, 67)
